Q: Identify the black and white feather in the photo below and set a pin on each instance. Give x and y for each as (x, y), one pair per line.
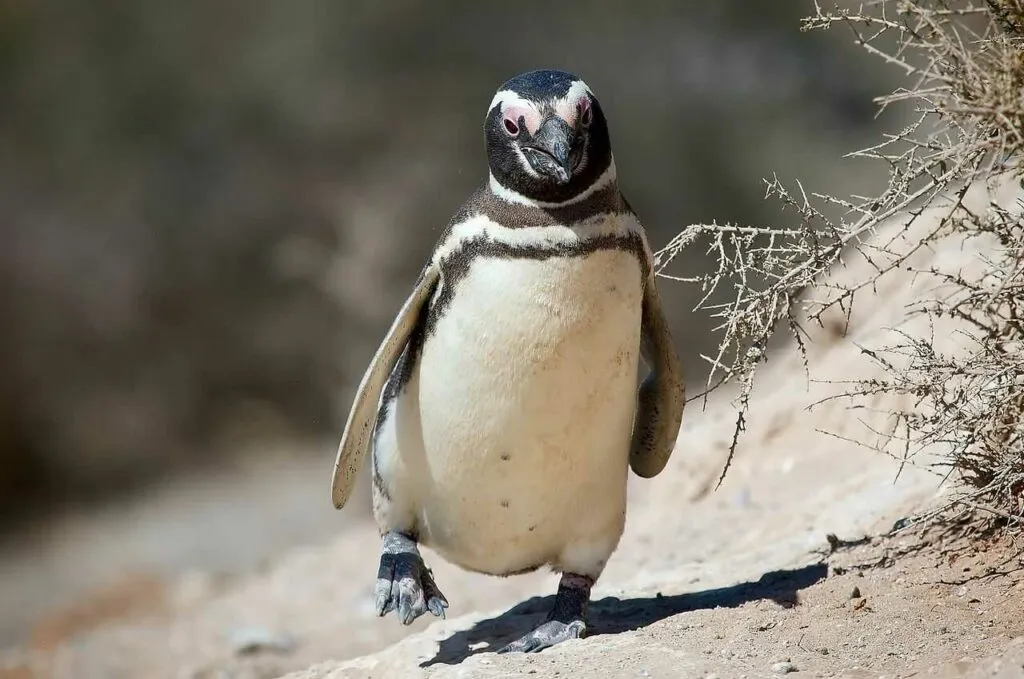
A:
(502, 408)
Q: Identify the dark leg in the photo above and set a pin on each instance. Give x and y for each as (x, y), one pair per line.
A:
(567, 619)
(404, 583)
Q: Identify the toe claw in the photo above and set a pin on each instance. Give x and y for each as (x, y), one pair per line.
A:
(382, 597)
(436, 606)
(411, 604)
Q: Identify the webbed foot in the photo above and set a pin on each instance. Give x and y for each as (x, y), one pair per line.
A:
(547, 635)
(566, 621)
(404, 583)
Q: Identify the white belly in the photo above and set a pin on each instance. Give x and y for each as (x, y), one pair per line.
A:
(526, 394)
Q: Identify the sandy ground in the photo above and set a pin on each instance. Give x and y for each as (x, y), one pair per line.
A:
(742, 581)
(218, 522)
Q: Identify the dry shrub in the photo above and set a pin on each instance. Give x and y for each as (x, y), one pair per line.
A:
(964, 63)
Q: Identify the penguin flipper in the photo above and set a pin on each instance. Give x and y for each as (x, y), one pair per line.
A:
(662, 395)
(355, 439)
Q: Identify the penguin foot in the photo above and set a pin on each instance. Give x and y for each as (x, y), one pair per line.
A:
(566, 621)
(547, 635)
(404, 583)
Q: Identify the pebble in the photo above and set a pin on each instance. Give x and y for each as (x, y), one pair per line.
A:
(783, 668)
(211, 673)
(855, 594)
(246, 640)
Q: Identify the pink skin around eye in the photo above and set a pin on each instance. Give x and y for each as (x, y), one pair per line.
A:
(530, 117)
(572, 111)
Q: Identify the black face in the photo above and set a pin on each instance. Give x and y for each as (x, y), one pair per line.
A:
(553, 149)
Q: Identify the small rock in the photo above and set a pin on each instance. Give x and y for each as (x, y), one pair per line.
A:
(248, 640)
(783, 668)
(211, 673)
(823, 650)
(901, 524)
(855, 594)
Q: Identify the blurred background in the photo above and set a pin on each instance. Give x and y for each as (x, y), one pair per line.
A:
(211, 211)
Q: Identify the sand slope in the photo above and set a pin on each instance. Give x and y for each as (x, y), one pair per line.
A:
(734, 582)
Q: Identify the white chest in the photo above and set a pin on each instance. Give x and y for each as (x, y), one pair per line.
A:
(526, 393)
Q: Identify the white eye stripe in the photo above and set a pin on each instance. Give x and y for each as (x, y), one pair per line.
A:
(529, 115)
(506, 96)
(577, 90)
(567, 107)
(509, 98)
(515, 107)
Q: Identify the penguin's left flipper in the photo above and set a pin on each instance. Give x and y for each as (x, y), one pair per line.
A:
(662, 395)
(361, 418)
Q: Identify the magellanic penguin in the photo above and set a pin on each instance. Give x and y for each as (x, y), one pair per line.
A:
(502, 406)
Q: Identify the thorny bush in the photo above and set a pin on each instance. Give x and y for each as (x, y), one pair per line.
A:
(964, 62)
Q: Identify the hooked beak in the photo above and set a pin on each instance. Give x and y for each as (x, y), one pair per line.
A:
(552, 150)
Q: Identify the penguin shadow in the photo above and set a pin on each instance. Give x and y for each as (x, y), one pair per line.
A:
(612, 615)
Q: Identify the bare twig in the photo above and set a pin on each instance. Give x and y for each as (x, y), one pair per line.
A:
(965, 64)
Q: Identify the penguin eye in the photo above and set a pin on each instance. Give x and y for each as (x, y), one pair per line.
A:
(586, 113)
(511, 127)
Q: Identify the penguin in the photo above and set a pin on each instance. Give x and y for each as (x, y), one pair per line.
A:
(502, 407)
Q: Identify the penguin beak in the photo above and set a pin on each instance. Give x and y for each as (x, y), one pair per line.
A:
(552, 146)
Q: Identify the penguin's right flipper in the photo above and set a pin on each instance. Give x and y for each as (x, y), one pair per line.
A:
(361, 418)
(662, 395)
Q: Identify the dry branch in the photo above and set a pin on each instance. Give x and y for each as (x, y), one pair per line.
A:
(964, 63)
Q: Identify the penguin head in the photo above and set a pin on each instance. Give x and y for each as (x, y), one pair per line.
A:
(547, 138)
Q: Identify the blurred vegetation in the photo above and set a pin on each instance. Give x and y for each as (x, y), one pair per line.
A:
(211, 210)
